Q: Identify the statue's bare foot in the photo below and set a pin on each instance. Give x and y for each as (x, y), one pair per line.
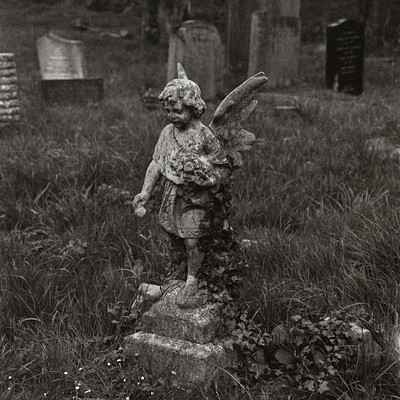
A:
(190, 296)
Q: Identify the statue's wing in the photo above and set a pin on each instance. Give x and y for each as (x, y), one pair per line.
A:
(232, 113)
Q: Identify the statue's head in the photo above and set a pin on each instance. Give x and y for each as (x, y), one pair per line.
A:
(184, 91)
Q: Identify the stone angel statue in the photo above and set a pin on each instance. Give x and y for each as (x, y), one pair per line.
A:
(194, 163)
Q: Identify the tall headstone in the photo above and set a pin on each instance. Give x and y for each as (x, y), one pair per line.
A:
(63, 69)
(345, 56)
(238, 38)
(9, 105)
(197, 46)
(61, 58)
(275, 41)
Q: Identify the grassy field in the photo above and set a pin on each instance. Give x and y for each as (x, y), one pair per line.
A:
(318, 211)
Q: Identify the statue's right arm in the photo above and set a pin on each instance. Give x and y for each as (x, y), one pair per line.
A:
(153, 173)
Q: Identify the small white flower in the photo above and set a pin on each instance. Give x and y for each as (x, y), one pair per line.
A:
(77, 387)
(142, 378)
(151, 393)
(108, 364)
(87, 391)
(10, 377)
(65, 373)
(124, 379)
(80, 369)
(119, 360)
(173, 372)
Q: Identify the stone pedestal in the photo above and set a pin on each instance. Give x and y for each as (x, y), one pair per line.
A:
(179, 344)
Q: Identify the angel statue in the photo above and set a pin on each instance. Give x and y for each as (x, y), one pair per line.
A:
(194, 163)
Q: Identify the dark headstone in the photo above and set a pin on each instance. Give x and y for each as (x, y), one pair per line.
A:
(72, 91)
(345, 56)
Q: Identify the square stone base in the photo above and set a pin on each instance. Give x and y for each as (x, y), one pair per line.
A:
(166, 318)
(183, 362)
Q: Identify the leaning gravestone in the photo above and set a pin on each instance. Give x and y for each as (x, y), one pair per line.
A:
(197, 45)
(63, 69)
(345, 56)
(9, 105)
(275, 41)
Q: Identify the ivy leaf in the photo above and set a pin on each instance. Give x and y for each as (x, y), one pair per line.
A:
(323, 387)
(228, 344)
(258, 369)
(284, 357)
(309, 385)
(242, 326)
(279, 334)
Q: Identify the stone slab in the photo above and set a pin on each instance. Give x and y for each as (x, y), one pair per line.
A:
(198, 47)
(185, 363)
(72, 91)
(275, 44)
(61, 58)
(166, 318)
(8, 95)
(8, 72)
(8, 88)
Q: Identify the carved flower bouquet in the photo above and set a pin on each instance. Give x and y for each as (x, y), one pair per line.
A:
(194, 168)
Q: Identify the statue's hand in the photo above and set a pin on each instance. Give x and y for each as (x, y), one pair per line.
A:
(138, 204)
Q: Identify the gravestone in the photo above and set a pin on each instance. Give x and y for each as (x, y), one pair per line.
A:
(238, 38)
(9, 105)
(63, 70)
(345, 56)
(61, 58)
(275, 41)
(197, 45)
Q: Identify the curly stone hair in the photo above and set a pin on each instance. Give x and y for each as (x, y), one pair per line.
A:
(186, 91)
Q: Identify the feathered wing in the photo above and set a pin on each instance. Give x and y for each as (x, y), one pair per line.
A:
(232, 113)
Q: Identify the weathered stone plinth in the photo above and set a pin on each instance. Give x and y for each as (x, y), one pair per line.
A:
(166, 318)
(176, 343)
(185, 363)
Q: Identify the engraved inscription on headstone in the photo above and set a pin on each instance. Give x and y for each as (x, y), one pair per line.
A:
(197, 46)
(61, 58)
(9, 105)
(345, 56)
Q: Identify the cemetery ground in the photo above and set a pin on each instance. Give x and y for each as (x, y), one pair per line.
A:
(317, 212)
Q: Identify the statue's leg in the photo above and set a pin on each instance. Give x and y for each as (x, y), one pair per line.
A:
(176, 268)
(195, 259)
(188, 297)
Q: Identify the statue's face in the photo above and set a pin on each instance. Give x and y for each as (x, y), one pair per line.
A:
(178, 114)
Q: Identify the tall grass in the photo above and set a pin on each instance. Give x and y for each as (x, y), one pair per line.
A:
(320, 209)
